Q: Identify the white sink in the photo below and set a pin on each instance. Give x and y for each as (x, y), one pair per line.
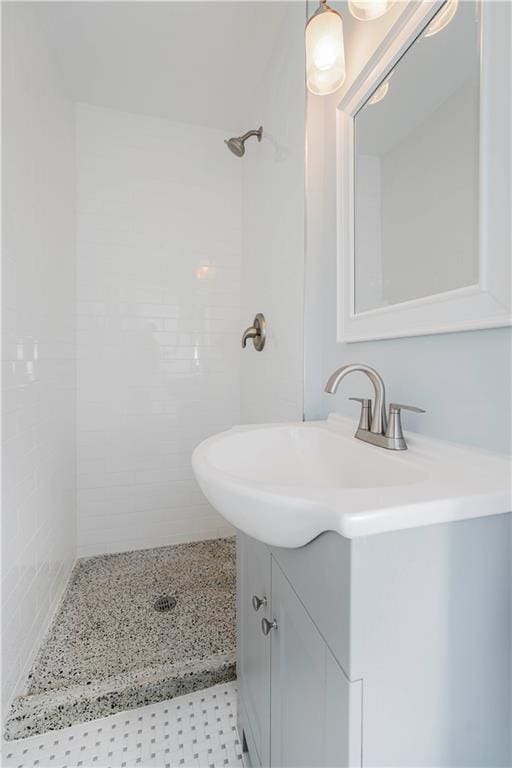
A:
(284, 484)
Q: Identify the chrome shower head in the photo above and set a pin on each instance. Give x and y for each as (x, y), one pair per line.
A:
(237, 143)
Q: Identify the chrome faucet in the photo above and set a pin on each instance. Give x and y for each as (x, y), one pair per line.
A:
(375, 429)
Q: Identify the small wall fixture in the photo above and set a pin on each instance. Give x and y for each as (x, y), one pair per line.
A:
(367, 10)
(236, 144)
(325, 51)
(257, 332)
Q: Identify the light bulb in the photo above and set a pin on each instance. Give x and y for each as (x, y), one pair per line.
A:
(325, 51)
(442, 19)
(367, 10)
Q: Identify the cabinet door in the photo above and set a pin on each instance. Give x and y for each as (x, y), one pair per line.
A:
(253, 668)
(316, 711)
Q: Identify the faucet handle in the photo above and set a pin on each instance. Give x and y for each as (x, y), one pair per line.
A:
(365, 419)
(394, 428)
(397, 407)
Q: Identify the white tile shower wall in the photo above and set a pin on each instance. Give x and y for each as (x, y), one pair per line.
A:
(158, 287)
(273, 232)
(38, 313)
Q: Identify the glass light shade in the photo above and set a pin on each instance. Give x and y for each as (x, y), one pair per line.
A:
(442, 19)
(367, 10)
(325, 52)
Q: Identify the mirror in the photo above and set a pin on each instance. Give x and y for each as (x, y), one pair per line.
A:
(416, 176)
(424, 188)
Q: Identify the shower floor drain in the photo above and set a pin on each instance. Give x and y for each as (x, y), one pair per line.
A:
(164, 603)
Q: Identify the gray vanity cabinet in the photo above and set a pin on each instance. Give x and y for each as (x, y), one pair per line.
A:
(392, 649)
(253, 662)
(311, 696)
(296, 705)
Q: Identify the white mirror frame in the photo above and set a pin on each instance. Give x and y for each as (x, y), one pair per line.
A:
(483, 305)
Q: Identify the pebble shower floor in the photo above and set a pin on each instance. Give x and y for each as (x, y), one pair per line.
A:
(198, 729)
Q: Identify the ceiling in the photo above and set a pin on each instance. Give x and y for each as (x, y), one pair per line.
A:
(196, 62)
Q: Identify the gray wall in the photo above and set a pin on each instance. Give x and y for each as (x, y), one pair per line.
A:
(463, 380)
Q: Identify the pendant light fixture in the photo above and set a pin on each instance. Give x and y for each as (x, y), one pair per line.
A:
(325, 51)
(367, 10)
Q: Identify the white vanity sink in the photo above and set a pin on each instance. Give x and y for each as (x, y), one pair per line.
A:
(284, 484)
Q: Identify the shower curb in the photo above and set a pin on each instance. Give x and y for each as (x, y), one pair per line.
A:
(59, 708)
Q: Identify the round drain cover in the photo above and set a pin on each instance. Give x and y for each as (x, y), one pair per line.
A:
(164, 603)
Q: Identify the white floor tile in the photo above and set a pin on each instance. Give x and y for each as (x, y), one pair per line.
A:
(196, 730)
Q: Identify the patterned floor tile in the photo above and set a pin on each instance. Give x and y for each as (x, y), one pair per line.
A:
(197, 730)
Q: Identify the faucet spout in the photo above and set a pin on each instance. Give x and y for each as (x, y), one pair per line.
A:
(378, 425)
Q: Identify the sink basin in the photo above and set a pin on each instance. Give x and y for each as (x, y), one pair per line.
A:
(284, 484)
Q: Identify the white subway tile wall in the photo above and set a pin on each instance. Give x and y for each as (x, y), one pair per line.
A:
(38, 315)
(273, 232)
(158, 324)
(119, 359)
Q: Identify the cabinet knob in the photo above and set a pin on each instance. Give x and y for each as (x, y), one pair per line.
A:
(267, 625)
(257, 602)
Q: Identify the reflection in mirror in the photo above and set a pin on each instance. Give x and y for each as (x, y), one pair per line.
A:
(416, 169)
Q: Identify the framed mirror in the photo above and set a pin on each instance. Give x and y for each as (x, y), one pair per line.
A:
(424, 166)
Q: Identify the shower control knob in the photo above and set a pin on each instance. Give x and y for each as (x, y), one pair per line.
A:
(257, 602)
(267, 625)
(257, 332)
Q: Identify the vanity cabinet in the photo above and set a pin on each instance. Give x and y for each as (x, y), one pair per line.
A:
(253, 662)
(316, 711)
(391, 649)
(296, 705)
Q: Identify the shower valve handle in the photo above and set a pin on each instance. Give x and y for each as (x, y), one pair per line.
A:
(257, 332)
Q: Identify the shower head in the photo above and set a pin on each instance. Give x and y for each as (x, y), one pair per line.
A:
(237, 143)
